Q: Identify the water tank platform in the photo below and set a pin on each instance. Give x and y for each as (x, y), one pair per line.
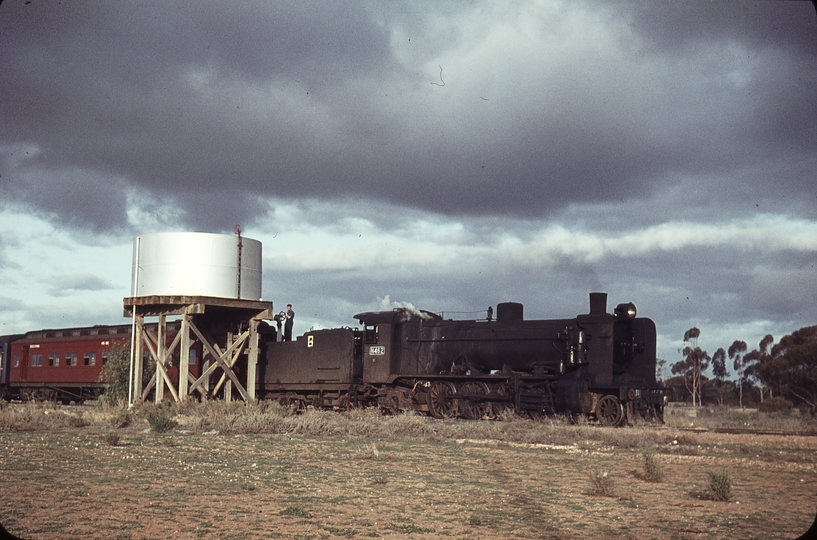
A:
(153, 306)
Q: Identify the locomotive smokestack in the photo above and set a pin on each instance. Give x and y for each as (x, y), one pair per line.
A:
(598, 303)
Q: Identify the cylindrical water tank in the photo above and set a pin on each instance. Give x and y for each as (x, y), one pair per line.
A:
(196, 264)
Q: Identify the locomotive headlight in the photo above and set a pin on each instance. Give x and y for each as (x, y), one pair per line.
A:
(626, 311)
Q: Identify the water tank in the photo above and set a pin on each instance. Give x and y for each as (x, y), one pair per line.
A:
(196, 264)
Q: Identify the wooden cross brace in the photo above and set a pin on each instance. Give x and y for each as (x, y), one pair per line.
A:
(224, 360)
(159, 355)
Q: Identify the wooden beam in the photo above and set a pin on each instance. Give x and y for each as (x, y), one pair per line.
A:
(161, 376)
(252, 360)
(184, 355)
(138, 364)
(177, 305)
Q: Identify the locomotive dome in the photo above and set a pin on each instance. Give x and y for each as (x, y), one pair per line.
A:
(196, 264)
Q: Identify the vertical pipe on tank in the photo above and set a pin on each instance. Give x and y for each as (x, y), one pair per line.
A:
(238, 277)
(598, 303)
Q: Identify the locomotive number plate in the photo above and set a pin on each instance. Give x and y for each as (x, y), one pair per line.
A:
(377, 350)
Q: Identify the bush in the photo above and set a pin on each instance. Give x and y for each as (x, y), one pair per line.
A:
(653, 472)
(720, 486)
(368, 451)
(76, 421)
(112, 439)
(120, 419)
(115, 374)
(776, 404)
(160, 421)
(601, 484)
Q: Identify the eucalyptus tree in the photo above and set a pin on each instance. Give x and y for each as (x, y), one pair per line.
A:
(693, 365)
(792, 366)
(736, 353)
(756, 364)
(719, 371)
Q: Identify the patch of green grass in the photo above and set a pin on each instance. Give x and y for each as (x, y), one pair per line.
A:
(408, 528)
(295, 511)
(483, 519)
(339, 531)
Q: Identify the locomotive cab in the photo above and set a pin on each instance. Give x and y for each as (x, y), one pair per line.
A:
(382, 340)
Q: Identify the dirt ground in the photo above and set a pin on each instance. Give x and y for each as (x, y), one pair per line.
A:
(72, 484)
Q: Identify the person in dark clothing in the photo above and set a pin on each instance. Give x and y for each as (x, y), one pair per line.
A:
(288, 324)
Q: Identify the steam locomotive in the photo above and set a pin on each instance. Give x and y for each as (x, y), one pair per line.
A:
(596, 364)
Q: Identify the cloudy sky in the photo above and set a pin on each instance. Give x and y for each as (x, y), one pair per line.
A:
(451, 155)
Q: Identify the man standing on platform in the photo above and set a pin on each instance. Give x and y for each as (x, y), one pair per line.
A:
(288, 324)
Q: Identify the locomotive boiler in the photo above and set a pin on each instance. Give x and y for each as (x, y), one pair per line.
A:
(596, 364)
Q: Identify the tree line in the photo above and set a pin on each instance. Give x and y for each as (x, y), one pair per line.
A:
(783, 373)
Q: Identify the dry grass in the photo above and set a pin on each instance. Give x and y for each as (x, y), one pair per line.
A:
(271, 418)
(792, 422)
(364, 474)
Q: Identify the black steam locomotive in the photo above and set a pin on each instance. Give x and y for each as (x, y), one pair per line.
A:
(595, 364)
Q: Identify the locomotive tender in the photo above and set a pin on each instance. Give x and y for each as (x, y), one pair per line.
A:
(597, 364)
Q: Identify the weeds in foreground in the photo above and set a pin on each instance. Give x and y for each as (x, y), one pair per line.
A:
(720, 485)
(112, 439)
(76, 421)
(160, 421)
(368, 451)
(294, 511)
(601, 484)
(120, 419)
(653, 471)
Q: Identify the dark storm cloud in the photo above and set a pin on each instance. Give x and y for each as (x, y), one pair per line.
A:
(214, 106)
(674, 29)
(70, 197)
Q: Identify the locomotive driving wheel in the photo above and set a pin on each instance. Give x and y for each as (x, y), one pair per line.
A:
(441, 402)
(609, 411)
(473, 408)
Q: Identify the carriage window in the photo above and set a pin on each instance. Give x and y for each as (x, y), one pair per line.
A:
(53, 360)
(191, 359)
(16, 360)
(36, 360)
(71, 359)
(104, 357)
(371, 334)
(89, 359)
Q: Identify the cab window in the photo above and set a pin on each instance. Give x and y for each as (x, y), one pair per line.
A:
(371, 334)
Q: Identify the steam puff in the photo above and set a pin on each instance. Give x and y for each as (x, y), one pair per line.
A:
(386, 304)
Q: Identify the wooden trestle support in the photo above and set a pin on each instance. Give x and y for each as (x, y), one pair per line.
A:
(226, 329)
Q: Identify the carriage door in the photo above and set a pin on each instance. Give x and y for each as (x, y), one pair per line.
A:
(24, 363)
